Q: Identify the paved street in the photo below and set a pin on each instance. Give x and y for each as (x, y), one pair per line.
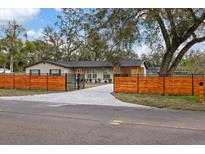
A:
(42, 123)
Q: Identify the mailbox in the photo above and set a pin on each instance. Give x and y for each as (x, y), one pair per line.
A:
(201, 83)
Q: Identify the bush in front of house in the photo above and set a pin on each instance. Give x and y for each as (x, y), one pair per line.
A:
(99, 80)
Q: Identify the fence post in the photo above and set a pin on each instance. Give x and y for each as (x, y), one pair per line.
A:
(66, 79)
(78, 81)
(29, 81)
(75, 82)
(163, 84)
(47, 81)
(201, 91)
(114, 83)
(14, 81)
(192, 77)
(138, 83)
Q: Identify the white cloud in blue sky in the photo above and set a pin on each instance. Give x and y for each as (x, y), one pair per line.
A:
(143, 48)
(35, 34)
(20, 15)
(45, 17)
(58, 9)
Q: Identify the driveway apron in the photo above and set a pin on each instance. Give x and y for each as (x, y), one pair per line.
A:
(100, 95)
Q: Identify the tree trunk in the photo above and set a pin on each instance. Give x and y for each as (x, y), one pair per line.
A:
(167, 59)
(12, 63)
(166, 62)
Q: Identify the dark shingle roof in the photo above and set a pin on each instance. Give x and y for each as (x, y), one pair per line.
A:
(132, 62)
(155, 70)
(76, 64)
(85, 64)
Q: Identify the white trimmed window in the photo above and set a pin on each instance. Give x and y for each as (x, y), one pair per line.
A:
(91, 74)
(35, 72)
(55, 72)
(106, 76)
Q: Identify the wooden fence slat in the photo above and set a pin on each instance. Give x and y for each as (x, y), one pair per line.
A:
(32, 82)
(159, 85)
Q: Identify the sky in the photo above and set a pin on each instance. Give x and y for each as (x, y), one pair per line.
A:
(33, 20)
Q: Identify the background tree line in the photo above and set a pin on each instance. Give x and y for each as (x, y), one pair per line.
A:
(110, 34)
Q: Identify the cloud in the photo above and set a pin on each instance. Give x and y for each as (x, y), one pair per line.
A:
(143, 49)
(35, 34)
(20, 15)
(58, 9)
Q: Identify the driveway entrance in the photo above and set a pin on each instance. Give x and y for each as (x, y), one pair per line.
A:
(100, 95)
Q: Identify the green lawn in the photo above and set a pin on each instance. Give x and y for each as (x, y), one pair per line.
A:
(21, 92)
(159, 101)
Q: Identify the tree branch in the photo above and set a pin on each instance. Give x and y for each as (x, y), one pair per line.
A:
(164, 31)
(183, 51)
(172, 23)
(193, 14)
(191, 30)
(139, 13)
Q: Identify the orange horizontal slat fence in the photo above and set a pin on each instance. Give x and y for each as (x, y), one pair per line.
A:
(175, 84)
(21, 81)
(56, 82)
(38, 82)
(6, 81)
(26, 81)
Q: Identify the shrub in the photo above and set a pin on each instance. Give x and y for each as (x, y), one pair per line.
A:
(99, 80)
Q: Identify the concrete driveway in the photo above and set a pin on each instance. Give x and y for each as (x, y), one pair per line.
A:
(92, 96)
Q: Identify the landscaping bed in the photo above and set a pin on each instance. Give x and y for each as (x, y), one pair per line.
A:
(182, 102)
(22, 92)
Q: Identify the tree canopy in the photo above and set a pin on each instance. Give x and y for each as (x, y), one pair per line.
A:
(109, 34)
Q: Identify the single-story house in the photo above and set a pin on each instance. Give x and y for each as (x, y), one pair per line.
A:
(93, 70)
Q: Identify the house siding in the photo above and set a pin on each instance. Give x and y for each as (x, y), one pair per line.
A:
(100, 72)
(45, 68)
(132, 70)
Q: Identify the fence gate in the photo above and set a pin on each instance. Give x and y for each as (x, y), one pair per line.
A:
(80, 81)
(75, 82)
(71, 82)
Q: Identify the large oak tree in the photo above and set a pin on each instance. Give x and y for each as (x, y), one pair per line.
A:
(173, 31)
(180, 29)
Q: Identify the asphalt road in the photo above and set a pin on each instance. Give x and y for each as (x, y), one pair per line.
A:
(39, 123)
